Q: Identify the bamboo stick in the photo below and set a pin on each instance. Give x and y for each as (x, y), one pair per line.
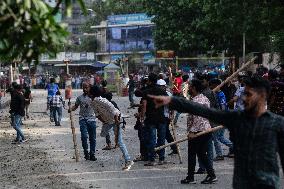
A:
(235, 74)
(185, 139)
(175, 138)
(73, 133)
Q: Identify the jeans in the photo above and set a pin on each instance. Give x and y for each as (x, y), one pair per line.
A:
(108, 141)
(16, 121)
(27, 110)
(56, 114)
(130, 95)
(218, 136)
(198, 147)
(152, 141)
(88, 128)
(77, 85)
(141, 136)
(120, 142)
(49, 108)
(209, 154)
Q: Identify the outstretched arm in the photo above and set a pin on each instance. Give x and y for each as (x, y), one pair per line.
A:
(182, 105)
(217, 116)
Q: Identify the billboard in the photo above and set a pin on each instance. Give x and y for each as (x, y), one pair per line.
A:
(128, 19)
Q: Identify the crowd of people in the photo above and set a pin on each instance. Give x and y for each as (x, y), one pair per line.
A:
(255, 134)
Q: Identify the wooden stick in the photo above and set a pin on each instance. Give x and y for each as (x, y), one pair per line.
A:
(175, 138)
(235, 74)
(73, 133)
(185, 139)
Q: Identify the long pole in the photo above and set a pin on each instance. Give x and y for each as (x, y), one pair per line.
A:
(175, 138)
(186, 138)
(235, 74)
(73, 132)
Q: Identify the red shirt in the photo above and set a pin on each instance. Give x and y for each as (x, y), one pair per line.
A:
(177, 85)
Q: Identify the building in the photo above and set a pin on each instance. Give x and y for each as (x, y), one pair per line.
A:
(76, 20)
(78, 62)
(127, 37)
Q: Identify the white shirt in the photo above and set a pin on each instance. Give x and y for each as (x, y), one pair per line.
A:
(105, 110)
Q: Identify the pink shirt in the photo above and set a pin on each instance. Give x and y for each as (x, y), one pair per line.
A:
(197, 123)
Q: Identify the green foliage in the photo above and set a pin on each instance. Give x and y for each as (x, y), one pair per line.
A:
(28, 29)
(195, 26)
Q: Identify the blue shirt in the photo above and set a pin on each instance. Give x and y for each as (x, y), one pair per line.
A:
(52, 88)
(221, 100)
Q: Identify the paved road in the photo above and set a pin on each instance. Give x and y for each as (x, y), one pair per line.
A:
(56, 143)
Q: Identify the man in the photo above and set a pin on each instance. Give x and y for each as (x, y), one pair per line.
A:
(51, 88)
(56, 104)
(131, 88)
(238, 98)
(177, 91)
(28, 99)
(205, 78)
(169, 138)
(17, 111)
(155, 122)
(109, 116)
(219, 136)
(259, 134)
(199, 146)
(87, 122)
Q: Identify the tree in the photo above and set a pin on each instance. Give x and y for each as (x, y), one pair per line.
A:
(194, 26)
(28, 29)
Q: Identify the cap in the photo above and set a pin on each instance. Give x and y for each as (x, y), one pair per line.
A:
(161, 82)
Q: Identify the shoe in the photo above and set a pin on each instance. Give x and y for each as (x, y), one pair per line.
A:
(25, 140)
(86, 155)
(188, 180)
(140, 159)
(200, 171)
(128, 165)
(93, 157)
(150, 163)
(219, 158)
(173, 153)
(162, 162)
(15, 141)
(209, 180)
(107, 148)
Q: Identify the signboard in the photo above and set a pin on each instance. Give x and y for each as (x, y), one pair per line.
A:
(128, 19)
(165, 54)
(148, 59)
(68, 55)
(116, 56)
(83, 56)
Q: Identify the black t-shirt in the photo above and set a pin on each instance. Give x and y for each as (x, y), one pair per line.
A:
(131, 84)
(154, 115)
(17, 105)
